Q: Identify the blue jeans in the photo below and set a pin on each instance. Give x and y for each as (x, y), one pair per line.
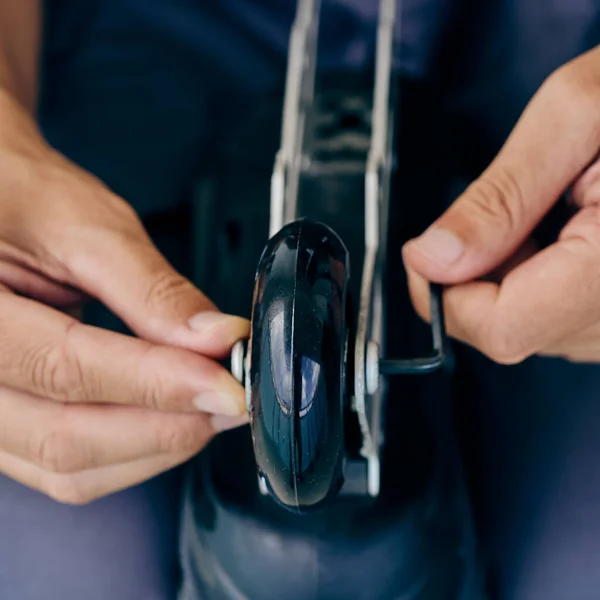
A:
(132, 92)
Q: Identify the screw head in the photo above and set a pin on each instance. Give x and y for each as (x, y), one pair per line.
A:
(262, 486)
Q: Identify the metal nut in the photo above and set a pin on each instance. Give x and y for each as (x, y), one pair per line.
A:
(237, 360)
(372, 367)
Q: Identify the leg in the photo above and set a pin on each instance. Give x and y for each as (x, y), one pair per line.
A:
(122, 547)
(532, 442)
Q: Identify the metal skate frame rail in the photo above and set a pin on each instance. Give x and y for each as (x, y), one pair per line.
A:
(369, 367)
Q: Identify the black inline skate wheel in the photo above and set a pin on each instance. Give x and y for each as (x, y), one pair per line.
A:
(298, 353)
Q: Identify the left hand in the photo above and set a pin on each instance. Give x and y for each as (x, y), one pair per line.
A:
(543, 302)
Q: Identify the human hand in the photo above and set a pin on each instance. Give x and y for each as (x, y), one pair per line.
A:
(544, 302)
(85, 412)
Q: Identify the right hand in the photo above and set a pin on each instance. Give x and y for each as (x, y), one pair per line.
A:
(85, 412)
(505, 296)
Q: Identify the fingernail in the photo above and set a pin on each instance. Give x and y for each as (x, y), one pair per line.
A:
(209, 319)
(222, 423)
(439, 245)
(218, 404)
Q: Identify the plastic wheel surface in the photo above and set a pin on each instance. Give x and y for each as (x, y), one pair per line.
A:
(297, 364)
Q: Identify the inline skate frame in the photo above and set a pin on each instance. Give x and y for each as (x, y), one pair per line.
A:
(311, 366)
(313, 501)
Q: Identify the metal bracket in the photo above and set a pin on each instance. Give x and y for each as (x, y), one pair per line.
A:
(370, 335)
(299, 92)
(369, 389)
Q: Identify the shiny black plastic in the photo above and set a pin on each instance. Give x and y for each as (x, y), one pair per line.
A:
(297, 364)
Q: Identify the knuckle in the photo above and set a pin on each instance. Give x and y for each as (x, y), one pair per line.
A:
(152, 397)
(503, 346)
(167, 289)
(56, 451)
(105, 221)
(590, 235)
(573, 76)
(497, 199)
(55, 370)
(151, 391)
(179, 439)
(65, 489)
(583, 231)
(590, 196)
(575, 88)
(561, 84)
(40, 365)
(123, 212)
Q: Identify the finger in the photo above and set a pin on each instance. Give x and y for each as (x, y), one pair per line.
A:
(581, 346)
(586, 190)
(33, 285)
(456, 327)
(557, 136)
(76, 312)
(123, 268)
(108, 254)
(573, 352)
(526, 251)
(86, 486)
(419, 288)
(48, 354)
(66, 439)
(545, 299)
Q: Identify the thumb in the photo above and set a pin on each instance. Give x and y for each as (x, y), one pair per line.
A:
(557, 136)
(125, 271)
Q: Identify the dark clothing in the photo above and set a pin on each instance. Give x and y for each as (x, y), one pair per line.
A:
(136, 91)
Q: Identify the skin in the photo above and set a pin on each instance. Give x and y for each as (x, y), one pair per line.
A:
(504, 296)
(86, 412)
